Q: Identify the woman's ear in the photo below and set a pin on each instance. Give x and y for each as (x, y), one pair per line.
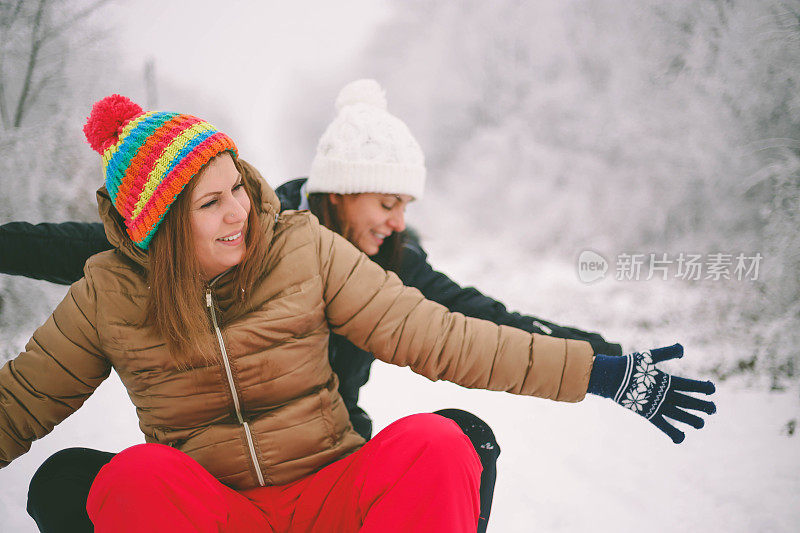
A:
(334, 199)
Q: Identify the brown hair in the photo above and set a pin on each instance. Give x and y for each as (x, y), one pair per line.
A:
(389, 254)
(176, 303)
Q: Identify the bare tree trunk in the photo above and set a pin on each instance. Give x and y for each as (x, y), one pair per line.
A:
(9, 17)
(43, 31)
(3, 111)
(150, 83)
(77, 17)
(36, 43)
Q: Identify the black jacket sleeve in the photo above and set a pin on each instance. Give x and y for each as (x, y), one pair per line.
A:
(51, 252)
(415, 271)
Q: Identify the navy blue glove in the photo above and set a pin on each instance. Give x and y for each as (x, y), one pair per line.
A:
(634, 382)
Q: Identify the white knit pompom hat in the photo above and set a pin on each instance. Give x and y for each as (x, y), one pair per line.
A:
(366, 149)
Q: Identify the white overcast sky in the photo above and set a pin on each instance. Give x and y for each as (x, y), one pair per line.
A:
(245, 58)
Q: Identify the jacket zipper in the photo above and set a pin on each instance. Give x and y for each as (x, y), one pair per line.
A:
(250, 445)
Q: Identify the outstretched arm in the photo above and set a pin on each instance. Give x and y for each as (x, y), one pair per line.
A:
(373, 310)
(61, 366)
(415, 271)
(398, 325)
(51, 252)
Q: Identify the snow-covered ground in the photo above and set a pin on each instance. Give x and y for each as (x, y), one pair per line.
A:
(596, 467)
(564, 467)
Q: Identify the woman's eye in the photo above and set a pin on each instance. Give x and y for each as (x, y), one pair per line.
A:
(387, 207)
(238, 186)
(208, 204)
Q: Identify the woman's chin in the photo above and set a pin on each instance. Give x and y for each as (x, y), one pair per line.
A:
(212, 271)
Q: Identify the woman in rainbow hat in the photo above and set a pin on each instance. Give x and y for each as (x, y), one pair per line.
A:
(215, 310)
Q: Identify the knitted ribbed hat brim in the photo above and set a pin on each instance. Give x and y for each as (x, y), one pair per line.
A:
(148, 158)
(346, 177)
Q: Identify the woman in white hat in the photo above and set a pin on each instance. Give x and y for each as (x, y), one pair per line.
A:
(368, 167)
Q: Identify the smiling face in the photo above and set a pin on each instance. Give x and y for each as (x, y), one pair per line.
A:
(218, 208)
(369, 218)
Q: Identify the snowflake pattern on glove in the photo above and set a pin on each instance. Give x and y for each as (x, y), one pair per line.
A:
(646, 371)
(635, 382)
(635, 399)
(644, 387)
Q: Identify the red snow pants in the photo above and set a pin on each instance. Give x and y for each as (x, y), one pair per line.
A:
(419, 474)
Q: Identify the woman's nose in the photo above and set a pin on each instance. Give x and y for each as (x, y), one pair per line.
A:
(236, 211)
(398, 221)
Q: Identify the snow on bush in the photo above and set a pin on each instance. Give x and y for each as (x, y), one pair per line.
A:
(649, 127)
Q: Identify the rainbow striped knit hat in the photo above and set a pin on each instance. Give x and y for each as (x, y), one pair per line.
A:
(148, 158)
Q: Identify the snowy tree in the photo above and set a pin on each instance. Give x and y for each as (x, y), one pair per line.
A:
(659, 127)
(46, 172)
(33, 52)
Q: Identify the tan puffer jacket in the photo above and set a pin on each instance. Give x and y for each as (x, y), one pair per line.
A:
(268, 412)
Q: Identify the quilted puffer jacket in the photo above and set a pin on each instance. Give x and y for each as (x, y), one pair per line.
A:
(267, 411)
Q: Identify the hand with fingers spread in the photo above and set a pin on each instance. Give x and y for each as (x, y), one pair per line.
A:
(635, 382)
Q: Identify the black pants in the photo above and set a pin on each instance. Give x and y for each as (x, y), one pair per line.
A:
(482, 438)
(60, 487)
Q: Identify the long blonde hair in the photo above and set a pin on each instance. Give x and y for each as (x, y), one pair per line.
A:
(176, 304)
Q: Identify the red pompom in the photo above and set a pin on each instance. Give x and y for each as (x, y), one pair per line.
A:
(107, 119)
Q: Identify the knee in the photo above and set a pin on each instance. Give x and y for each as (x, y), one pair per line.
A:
(154, 453)
(438, 435)
(477, 430)
(66, 467)
(138, 466)
(162, 481)
(56, 465)
(58, 490)
(429, 426)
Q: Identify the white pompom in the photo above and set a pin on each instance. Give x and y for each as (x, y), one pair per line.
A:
(361, 92)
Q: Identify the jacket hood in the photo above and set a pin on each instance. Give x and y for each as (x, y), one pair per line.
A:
(118, 236)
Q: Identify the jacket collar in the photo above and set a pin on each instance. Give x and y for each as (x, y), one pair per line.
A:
(291, 192)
